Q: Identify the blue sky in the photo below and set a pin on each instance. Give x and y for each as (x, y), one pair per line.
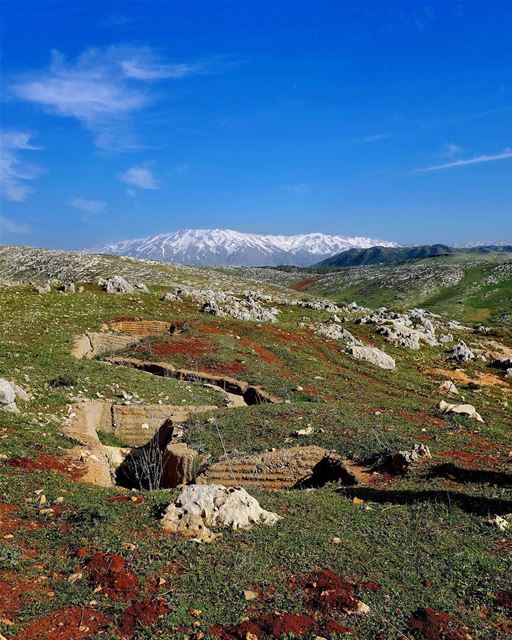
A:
(388, 119)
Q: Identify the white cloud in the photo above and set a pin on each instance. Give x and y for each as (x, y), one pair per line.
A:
(140, 177)
(507, 153)
(103, 88)
(450, 150)
(374, 137)
(15, 172)
(131, 192)
(92, 207)
(9, 226)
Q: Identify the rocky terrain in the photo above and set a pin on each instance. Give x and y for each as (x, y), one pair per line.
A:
(245, 454)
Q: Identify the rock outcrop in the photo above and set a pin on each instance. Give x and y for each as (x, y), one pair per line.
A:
(373, 355)
(200, 508)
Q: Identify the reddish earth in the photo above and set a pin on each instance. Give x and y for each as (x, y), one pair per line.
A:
(44, 462)
(504, 601)
(263, 352)
(211, 327)
(300, 285)
(188, 346)
(141, 613)
(233, 368)
(15, 593)
(134, 499)
(271, 625)
(71, 623)
(430, 624)
(110, 572)
(472, 460)
(324, 590)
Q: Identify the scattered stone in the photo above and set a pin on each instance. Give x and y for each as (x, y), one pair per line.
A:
(334, 332)
(501, 522)
(117, 284)
(398, 463)
(7, 397)
(200, 508)
(447, 387)
(462, 353)
(373, 355)
(461, 409)
(68, 287)
(43, 288)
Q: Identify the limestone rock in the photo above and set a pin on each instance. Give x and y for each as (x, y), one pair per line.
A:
(43, 288)
(117, 284)
(179, 465)
(7, 396)
(373, 355)
(461, 409)
(447, 387)
(200, 508)
(281, 469)
(462, 353)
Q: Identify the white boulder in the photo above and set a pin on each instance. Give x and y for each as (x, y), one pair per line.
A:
(200, 508)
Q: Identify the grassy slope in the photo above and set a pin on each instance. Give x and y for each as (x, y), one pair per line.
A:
(436, 551)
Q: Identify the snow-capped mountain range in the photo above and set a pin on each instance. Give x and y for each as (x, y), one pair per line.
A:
(215, 247)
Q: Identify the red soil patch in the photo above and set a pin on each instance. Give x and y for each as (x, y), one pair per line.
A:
(472, 460)
(8, 523)
(71, 623)
(44, 462)
(504, 601)
(263, 353)
(122, 499)
(15, 593)
(435, 625)
(234, 368)
(271, 625)
(324, 590)
(110, 572)
(188, 346)
(311, 389)
(210, 327)
(141, 614)
(285, 335)
(300, 285)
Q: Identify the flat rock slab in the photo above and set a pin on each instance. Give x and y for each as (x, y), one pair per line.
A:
(140, 328)
(281, 469)
(92, 344)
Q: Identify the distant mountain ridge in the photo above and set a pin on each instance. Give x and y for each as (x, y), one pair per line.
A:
(393, 255)
(225, 247)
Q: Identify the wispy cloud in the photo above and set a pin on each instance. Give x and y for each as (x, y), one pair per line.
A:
(507, 153)
(11, 227)
(91, 207)
(104, 87)
(450, 149)
(375, 137)
(15, 172)
(140, 177)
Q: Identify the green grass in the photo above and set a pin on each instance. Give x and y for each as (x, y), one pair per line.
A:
(426, 542)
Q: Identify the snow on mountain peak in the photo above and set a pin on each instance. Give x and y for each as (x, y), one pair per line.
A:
(217, 247)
